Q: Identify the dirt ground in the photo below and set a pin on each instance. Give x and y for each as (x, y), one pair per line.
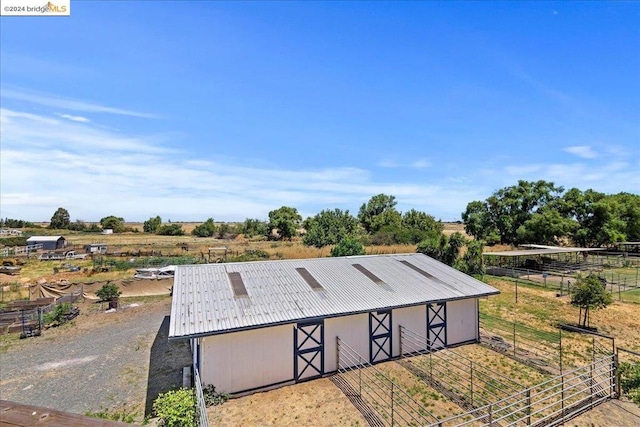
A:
(314, 403)
(613, 413)
(100, 362)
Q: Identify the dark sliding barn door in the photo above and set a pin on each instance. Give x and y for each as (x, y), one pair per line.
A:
(437, 325)
(308, 344)
(380, 336)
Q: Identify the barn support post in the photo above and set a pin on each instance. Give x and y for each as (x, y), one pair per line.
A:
(337, 353)
(400, 339)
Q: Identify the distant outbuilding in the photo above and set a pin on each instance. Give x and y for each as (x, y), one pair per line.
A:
(49, 243)
(259, 324)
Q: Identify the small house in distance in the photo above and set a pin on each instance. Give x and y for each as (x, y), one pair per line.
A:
(96, 248)
(49, 243)
(260, 324)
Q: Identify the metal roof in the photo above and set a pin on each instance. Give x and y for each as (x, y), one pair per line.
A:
(541, 250)
(44, 238)
(204, 303)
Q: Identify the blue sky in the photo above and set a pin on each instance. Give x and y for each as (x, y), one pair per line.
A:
(190, 110)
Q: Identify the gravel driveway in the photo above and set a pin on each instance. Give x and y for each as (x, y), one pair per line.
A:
(113, 362)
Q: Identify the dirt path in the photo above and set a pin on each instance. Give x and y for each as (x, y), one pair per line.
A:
(613, 413)
(101, 362)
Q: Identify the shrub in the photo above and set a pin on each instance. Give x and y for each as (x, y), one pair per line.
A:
(177, 408)
(59, 314)
(14, 241)
(630, 380)
(170, 230)
(347, 247)
(108, 292)
(213, 398)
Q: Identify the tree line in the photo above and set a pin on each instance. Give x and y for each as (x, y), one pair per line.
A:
(543, 213)
(529, 212)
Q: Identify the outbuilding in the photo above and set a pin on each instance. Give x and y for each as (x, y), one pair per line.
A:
(259, 324)
(49, 243)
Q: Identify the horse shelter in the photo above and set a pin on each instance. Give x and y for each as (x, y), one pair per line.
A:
(254, 325)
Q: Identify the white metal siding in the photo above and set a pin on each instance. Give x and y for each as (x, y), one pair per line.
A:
(244, 360)
(412, 318)
(462, 321)
(353, 330)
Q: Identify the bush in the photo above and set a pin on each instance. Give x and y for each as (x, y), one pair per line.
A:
(60, 314)
(213, 398)
(170, 230)
(14, 241)
(347, 247)
(108, 292)
(630, 381)
(177, 408)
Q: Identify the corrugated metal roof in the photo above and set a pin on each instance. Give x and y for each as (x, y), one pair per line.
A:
(204, 303)
(44, 238)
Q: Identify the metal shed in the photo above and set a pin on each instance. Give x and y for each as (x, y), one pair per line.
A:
(49, 243)
(259, 324)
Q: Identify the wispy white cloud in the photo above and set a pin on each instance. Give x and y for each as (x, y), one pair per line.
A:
(421, 164)
(69, 104)
(583, 151)
(416, 164)
(93, 172)
(80, 119)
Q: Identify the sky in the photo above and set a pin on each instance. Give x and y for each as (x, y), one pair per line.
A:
(198, 109)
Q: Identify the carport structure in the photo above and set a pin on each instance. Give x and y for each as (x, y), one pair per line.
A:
(254, 325)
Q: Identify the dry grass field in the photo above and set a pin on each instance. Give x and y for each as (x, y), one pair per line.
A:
(321, 402)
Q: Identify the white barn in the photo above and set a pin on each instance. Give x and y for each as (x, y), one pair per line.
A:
(259, 324)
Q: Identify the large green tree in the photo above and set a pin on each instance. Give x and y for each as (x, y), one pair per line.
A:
(506, 210)
(329, 227)
(253, 227)
(206, 229)
(418, 226)
(379, 213)
(151, 225)
(285, 221)
(112, 222)
(60, 219)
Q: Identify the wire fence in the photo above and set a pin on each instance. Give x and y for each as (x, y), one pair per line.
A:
(628, 374)
(203, 419)
(390, 404)
(549, 351)
(549, 403)
(463, 380)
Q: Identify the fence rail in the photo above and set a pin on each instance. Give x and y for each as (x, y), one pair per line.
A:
(460, 378)
(203, 419)
(549, 403)
(390, 403)
(562, 280)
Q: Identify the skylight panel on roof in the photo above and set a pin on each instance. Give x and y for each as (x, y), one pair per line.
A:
(311, 281)
(375, 279)
(418, 269)
(237, 285)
